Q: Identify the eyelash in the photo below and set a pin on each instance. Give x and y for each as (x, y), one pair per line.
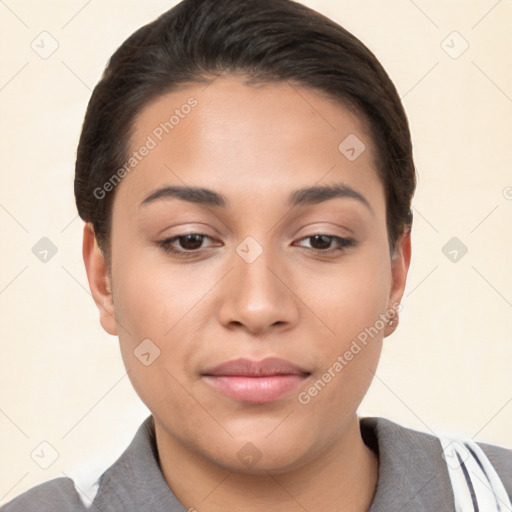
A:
(344, 244)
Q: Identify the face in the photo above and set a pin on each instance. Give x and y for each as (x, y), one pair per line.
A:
(250, 269)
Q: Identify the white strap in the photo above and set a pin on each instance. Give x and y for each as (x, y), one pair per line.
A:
(476, 485)
(86, 480)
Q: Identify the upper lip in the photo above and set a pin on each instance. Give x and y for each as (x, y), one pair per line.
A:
(250, 368)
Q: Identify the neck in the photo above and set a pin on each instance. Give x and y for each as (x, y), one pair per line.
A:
(343, 477)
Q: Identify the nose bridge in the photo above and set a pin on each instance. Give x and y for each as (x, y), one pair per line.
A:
(252, 266)
(255, 296)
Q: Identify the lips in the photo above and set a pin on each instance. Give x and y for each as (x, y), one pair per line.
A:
(255, 381)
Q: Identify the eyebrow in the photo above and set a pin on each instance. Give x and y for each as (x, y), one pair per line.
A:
(301, 197)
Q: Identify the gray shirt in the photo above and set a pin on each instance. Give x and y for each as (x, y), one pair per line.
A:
(412, 476)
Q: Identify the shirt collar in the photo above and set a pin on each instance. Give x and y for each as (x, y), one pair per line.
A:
(135, 481)
(412, 472)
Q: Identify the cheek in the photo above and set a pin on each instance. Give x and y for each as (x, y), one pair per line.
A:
(349, 354)
(152, 308)
(153, 299)
(348, 298)
(350, 304)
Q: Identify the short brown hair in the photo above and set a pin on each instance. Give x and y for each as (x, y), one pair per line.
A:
(266, 41)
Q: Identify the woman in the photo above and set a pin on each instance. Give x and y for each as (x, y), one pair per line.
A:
(245, 173)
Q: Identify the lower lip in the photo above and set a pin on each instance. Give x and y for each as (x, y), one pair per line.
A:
(255, 389)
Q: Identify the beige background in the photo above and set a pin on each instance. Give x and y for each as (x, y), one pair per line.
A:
(448, 367)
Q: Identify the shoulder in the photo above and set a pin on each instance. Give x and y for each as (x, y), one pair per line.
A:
(58, 495)
(133, 482)
(407, 446)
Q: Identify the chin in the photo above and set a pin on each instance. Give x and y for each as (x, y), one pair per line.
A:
(274, 463)
(261, 455)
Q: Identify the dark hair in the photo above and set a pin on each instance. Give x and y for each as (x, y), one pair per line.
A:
(265, 41)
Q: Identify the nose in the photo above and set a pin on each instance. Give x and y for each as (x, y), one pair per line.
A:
(256, 297)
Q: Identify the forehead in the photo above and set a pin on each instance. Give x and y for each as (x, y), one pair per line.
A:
(261, 140)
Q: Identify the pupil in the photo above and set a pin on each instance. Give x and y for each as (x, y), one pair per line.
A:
(326, 240)
(192, 238)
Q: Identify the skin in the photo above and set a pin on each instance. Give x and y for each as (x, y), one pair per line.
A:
(255, 145)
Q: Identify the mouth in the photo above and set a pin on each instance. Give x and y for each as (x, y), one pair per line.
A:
(251, 381)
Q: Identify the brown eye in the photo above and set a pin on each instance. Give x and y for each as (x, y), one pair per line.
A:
(322, 243)
(186, 245)
(191, 242)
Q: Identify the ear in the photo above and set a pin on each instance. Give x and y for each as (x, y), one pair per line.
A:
(400, 261)
(99, 279)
